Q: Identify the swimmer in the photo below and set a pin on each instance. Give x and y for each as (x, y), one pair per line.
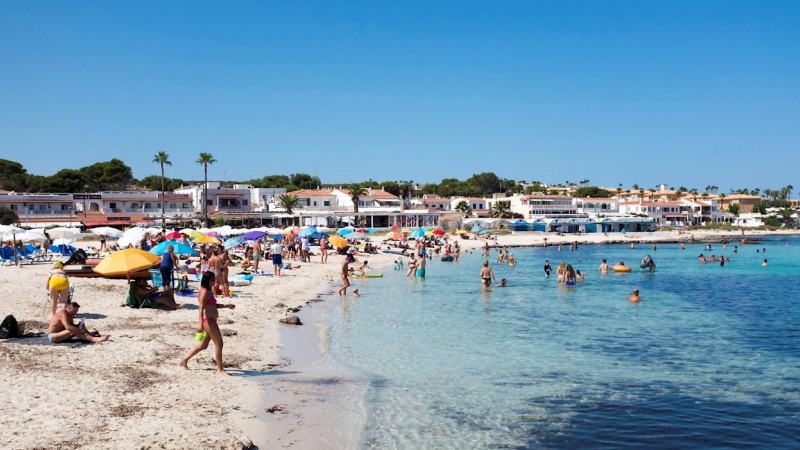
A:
(683, 246)
(763, 264)
(634, 297)
(502, 283)
(763, 250)
(547, 268)
(356, 294)
(702, 258)
(603, 268)
(578, 275)
(487, 275)
(735, 249)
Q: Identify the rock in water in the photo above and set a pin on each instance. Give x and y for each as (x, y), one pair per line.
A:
(291, 320)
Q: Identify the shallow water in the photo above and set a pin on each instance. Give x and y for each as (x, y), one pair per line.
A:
(708, 359)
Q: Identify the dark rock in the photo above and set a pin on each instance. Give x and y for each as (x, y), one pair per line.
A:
(291, 320)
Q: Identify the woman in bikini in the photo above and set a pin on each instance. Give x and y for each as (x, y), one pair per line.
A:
(208, 322)
(58, 286)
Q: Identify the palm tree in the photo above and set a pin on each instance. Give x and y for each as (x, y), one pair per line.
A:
(357, 190)
(204, 160)
(464, 208)
(288, 202)
(501, 210)
(162, 158)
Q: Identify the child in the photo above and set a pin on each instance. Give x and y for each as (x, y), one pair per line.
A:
(398, 265)
(356, 294)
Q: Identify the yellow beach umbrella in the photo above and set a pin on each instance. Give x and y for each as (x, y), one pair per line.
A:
(429, 233)
(461, 232)
(194, 234)
(206, 240)
(338, 242)
(406, 231)
(125, 262)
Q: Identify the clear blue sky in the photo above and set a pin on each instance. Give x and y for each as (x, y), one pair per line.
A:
(687, 93)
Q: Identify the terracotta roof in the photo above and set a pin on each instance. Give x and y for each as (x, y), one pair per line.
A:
(311, 192)
(377, 193)
(596, 199)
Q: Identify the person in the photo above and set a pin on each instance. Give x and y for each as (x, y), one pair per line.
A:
(62, 328)
(225, 262)
(722, 261)
(634, 297)
(356, 294)
(277, 259)
(362, 269)
(346, 273)
(215, 263)
(412, 266)
(487, 275)
(603, 267)
(398, 265)
(579, 276)
(168, 263)
(545, 243)
(144, 290)
(247, 259)
(764, 263)
(58, 286)
(547, 268)
(560, 271)
(512, 261)
(46, 244)
(763, 250)
(256, 254)
(652, 266)
(683, 246)
(323, 249)
(569, 275)
(208, 314)
(305, 249)
(503, 283)
(735, 249)
(421, 268)
(654, 246)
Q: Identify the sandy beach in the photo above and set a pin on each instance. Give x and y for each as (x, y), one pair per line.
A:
(131, 393)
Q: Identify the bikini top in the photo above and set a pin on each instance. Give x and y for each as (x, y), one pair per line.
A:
(211, 300)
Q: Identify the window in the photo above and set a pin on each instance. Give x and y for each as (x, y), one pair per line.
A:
(244, 202)
(326, 203)
(112, 205)
(148, 206)
(315, 203)
(209, 202)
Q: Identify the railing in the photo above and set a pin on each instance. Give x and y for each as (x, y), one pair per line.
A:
(52, 212)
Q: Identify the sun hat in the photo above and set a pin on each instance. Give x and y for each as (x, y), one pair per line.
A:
(58, 265)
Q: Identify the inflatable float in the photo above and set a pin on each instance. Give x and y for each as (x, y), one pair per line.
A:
(621, 269)
(394, 251)
(369, 275)
(447, 258)
(646, 261)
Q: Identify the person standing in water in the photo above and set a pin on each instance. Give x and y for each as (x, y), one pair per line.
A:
(487, 275)
(603, 268)
(547, 268)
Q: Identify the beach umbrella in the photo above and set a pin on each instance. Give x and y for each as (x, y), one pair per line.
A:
(338, 242)
(131, 236)
(254, 235)
(237, 231)
(187, 231)
(180, 249)
(111, 233)
(323, 229)
(309, 231)
(485, 231)
(213, 233)
(418, 233)
(204, 239)
(395, 228)
(173, 235)
(371, 230)
(394, 235)
(361, 230)
(476, 228)
(64, 233)
(344, 231)
(232, 242)
(462, 232)
(289, 230)
(194, 234)
(429, 233)
(277, 237)
(319, 235)
(125, 262)
(438, 232)
(62, 241)
(28, 236)
(406, 231)
(355, 235)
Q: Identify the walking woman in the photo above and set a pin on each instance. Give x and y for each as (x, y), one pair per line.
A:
(208, 322)
(58, 286)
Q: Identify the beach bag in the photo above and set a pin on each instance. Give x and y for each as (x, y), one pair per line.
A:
(9, 328)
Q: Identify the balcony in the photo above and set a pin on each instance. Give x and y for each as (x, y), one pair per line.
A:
(52, 212)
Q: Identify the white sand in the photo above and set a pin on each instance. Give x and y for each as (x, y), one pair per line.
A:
(131, 393)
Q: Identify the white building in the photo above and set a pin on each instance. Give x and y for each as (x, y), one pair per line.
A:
(41, 210)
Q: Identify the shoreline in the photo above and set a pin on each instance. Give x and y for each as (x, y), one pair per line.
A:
(135, 392)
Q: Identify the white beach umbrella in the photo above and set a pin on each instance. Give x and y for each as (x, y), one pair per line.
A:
(237, 231)
(63, 233)
(62, 241)
(324, 229)
(152, 230)
(10, 229)
(355, 235)
(111, 233)
(29, 237)
(131, 236)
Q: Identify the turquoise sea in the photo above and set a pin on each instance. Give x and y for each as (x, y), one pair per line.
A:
(708, 359)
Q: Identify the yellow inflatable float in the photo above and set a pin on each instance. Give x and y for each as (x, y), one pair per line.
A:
(621, 268)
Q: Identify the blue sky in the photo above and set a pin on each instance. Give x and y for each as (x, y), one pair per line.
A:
(685, 93)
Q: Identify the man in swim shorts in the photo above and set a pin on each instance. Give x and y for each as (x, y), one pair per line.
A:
(277, 258)
(62, 328)
(634, 297)
(256, 254)
(421, 268)
(604, 267)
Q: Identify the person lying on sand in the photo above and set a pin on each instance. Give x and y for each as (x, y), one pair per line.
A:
(62, 328)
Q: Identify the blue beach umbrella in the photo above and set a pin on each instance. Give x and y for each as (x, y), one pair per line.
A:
(310, 231)
(180, 249)
(344, 231)
(370, 230)
(485, 231)
(232, 242)
(418, 233)
(277, 237)
(476, 228)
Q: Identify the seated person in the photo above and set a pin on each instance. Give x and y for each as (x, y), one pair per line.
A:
(361, 270)
(144, 290)
(62, 328)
